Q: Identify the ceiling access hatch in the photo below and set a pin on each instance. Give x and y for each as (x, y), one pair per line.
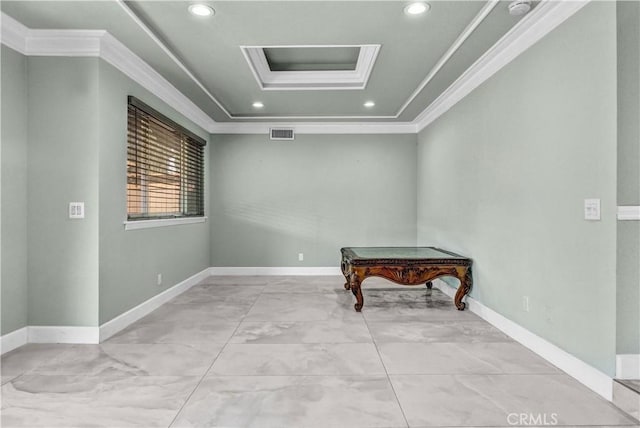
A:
(311, 67)
(338, 58)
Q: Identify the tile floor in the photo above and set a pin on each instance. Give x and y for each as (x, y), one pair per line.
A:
(292, 352)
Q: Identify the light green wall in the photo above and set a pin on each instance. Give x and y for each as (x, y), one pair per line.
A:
(62, 168)
(271, 200)
(628, 255)
(502, 177)
(131, 260)
(14, 191)
(509, 168)
(80, 272)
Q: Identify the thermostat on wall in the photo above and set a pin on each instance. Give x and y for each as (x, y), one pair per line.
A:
(76, 209)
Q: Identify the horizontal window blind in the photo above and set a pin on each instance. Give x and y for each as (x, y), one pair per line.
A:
(165, 166)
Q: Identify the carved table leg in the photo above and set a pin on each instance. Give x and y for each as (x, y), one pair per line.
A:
(344, 268)
(464, 288)
(429, 285)
(354, 284)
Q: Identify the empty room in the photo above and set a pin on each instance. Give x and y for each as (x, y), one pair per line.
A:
(304, 213)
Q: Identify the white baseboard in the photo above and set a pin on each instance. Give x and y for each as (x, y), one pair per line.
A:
(251, 271)
(63, 334)
(13, 340)
(94, 335)
(124, 320)
(589, 376)
(628, 366)
(629, 213)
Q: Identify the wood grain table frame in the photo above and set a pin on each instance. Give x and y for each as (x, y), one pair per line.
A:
(405, 271)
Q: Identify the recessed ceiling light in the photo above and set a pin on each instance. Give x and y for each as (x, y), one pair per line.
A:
(369, 104)
(201, 10)
(416, 8)
(258, 104)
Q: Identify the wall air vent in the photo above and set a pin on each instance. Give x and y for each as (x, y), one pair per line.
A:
(282, 134)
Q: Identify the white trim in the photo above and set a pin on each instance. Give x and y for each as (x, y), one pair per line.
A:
(629, 213)
(63, 334)
(67, 43)
(249, 119)
(316, 127)
(170, 54)
(589, 376)
(119, 56)
(13, 34)
(543, 19)
(101, 44)
(124, 320)
(14, 340)
(147, 224)
(251, 271)
(533, 27)
(94, 335)
(628, 366)
(475, 22)
(310, 80)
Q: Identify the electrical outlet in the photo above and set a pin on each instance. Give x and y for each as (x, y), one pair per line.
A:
(525, 303)
(300, 257)
(159, 280)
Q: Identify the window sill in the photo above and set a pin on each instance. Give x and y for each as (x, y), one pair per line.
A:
(146, 224)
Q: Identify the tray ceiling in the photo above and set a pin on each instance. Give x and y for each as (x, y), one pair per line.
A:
(417, 57)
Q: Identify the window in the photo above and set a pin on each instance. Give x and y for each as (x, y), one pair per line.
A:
(165, 166)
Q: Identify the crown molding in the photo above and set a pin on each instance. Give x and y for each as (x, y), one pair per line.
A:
(97, 43)
(13, 34)
(169, 53)
(100, 44)
(67, 43)
(256, 62)
(316, 127)
(544, 18)
(533, 27)
(118, 55)
(475, 22)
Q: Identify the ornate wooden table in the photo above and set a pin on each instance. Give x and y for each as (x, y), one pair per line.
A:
(406, 266)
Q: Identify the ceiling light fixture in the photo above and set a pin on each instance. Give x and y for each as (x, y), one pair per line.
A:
(369, 104)
(417, 8)
(201, 10)
(258, 104)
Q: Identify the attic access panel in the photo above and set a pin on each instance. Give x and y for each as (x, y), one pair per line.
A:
(338, 58)
(313, 67)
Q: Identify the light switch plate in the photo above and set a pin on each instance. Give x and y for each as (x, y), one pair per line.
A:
(76, 210)
(592, 209)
